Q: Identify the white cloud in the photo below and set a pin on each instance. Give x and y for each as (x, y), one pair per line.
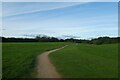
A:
(62, 25)
(10, 9)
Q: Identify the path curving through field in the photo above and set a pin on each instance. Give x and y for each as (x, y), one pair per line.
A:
(45, 69)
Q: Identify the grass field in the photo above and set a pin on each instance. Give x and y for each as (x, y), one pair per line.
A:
(19, 58)
(0, 60)
(87, 61)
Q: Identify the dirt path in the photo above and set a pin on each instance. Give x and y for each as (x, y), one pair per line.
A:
(45, 68)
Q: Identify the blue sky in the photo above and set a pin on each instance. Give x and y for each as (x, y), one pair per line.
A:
(84, 20)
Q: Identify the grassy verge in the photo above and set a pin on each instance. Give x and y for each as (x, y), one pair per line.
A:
(19, 58)
(87, 61)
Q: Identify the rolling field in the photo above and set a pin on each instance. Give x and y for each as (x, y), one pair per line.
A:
(19, 58)
(87, 61)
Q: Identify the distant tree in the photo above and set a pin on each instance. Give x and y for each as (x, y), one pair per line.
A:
(39, 38)
(104, 40)
(47, 39)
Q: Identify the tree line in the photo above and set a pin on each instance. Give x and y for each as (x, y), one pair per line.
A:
(99, 40)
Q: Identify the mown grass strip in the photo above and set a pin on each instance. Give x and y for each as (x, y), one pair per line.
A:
(87, 61)
(19, 58)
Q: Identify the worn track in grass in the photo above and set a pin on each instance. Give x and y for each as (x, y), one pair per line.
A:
(45, 69)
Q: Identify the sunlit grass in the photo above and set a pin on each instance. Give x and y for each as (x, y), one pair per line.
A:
(87, 61)
(19, 58)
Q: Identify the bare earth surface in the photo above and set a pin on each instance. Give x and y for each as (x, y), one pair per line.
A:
(45, 69)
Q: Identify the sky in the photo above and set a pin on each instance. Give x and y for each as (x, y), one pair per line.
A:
(60, 0)
(60, 19)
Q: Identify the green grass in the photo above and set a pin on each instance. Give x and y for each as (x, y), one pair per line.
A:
(87, 61)
(0, 60)
(19, 58)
